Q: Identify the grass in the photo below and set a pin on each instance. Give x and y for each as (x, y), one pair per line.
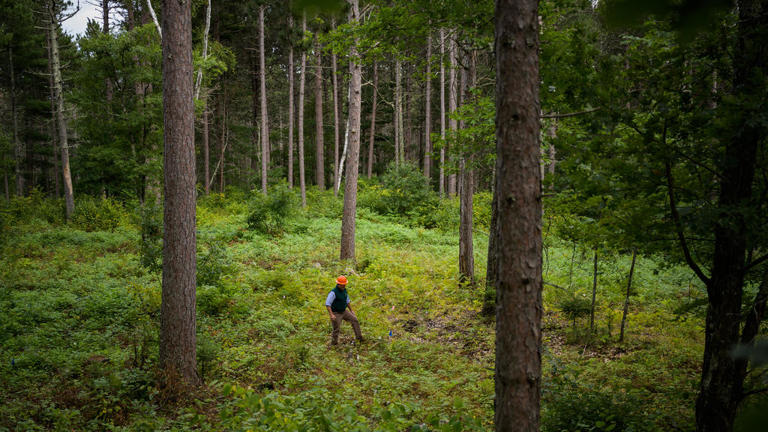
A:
(79, 322)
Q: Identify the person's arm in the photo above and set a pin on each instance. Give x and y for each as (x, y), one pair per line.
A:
(349, 306)
(330, 312)
(328, 300)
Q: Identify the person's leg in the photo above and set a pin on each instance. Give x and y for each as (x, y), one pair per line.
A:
(335, 324)
(350, 316)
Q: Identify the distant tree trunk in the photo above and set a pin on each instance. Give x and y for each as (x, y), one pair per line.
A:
(206, 149)
(54, 146)
(222, 138)
(263, 93)
(290, 108)
(350, 187)
(398, 112)
(453, 90)
(300, 125)
(518, 183)
(319, 145)
(105, 8)
(177, 312)
(199, 78)
(373, 120)
(722, 376)
(428, 114)
(466, 249)
(18, 146)
(594, 295)
(335, 81)
(407, 148)
(626, 299)
(442, 112)
(492, 268)
(61, 121)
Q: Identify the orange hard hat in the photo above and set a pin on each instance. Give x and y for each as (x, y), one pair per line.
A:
(341, 280)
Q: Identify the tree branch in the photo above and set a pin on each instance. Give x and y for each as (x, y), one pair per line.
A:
(573, 114)
(755, 263)
(679, 227)
(154, 18)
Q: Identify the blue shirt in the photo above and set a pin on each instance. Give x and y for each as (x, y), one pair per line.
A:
(331, 297)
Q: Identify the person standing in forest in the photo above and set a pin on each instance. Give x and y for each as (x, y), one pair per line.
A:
(339, 309)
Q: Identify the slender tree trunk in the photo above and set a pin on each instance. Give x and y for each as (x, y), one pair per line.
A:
(350, 187)
(722, 376)
(263, 93)
(206, 149)
(335, 82)
(222, 138)
(53, 132)
(18, 146)
(177, 312)
(398, 112)
(518, 282)
(442, 112)
(300, 107)
(492, 268)
(453, 90)
(199, 78)
(407, 149)
(428, 114)
(60, 119)
(626, 299)
(105, 8)
(319, 145)
(594, 295)
(373, 119)
(291, 108)
(466, 249)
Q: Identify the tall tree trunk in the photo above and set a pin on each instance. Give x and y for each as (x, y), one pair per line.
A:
(594, 295)
(263, 93)
(61, 121)
(18, 146)
(300, 125)
(442, 112)
(350, 187)
(453, 90)
(319, 145)
(466, 248)
(177, 311)
(398, 112)
(373, 119)
(722, 377)
(199, 78)
(626, 298)
(206, 149)
(105, 8)
(428, 114)
(518, 282)
(54, 146)
(291, 108)
(335, 81)
(222, 138)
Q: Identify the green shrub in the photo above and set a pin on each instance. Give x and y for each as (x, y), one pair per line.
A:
(98, 215)
(575, 307)
(403, 190)
(151, 247)
(213, 300)
(33, 206)
(269, 214)
(212, 265)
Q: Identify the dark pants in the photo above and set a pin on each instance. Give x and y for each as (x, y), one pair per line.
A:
(347, 315)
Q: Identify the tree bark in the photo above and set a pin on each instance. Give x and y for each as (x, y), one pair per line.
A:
(319, 145)
(442, 112)
(350, 187)
(300, 120)
(335, 81)
(290, 107)
(373, 119)
(518, 282)
(18, 146)
(206, 150)
(626, 299)
(594, 295)
(398, 112)
(177, 312)
(53, 132)
(428, 114)
(466, 248)
(453, 90)
(263, 99)
(61, 121)
(722, 379)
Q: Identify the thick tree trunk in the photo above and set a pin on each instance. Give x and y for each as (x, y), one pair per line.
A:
(177, 312)
(263, 99)
(594, 295)
(626, 298)
(373, 119)
(290, 109)
(518, 282)
(442, 112)
(453, 91)
(61, 121)
(428, 114)
(335, 81)
(300, 120)
(350, 187)
(722, 377)
(319, 144)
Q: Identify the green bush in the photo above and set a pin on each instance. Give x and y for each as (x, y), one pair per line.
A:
(98, 215)
(151, 247)
(212, 265)
(33, 206)
(575, 307)
(269, 214)
(403, 190)
(213, 300)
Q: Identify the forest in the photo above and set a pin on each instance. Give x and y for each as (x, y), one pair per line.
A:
(544, 215)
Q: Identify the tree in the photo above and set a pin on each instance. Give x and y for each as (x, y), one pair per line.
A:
(518, 207)
(355, 102)
(263, 99)
(300, 120)
(428, 113)
(177, 312)
(319, 145)
(291, 109)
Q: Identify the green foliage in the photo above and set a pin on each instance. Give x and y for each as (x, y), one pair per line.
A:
(212, 265)
(575, 307)
(151, 247)
(269, 214)
(98, 215)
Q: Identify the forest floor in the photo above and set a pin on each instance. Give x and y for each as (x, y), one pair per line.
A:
(79, 323)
